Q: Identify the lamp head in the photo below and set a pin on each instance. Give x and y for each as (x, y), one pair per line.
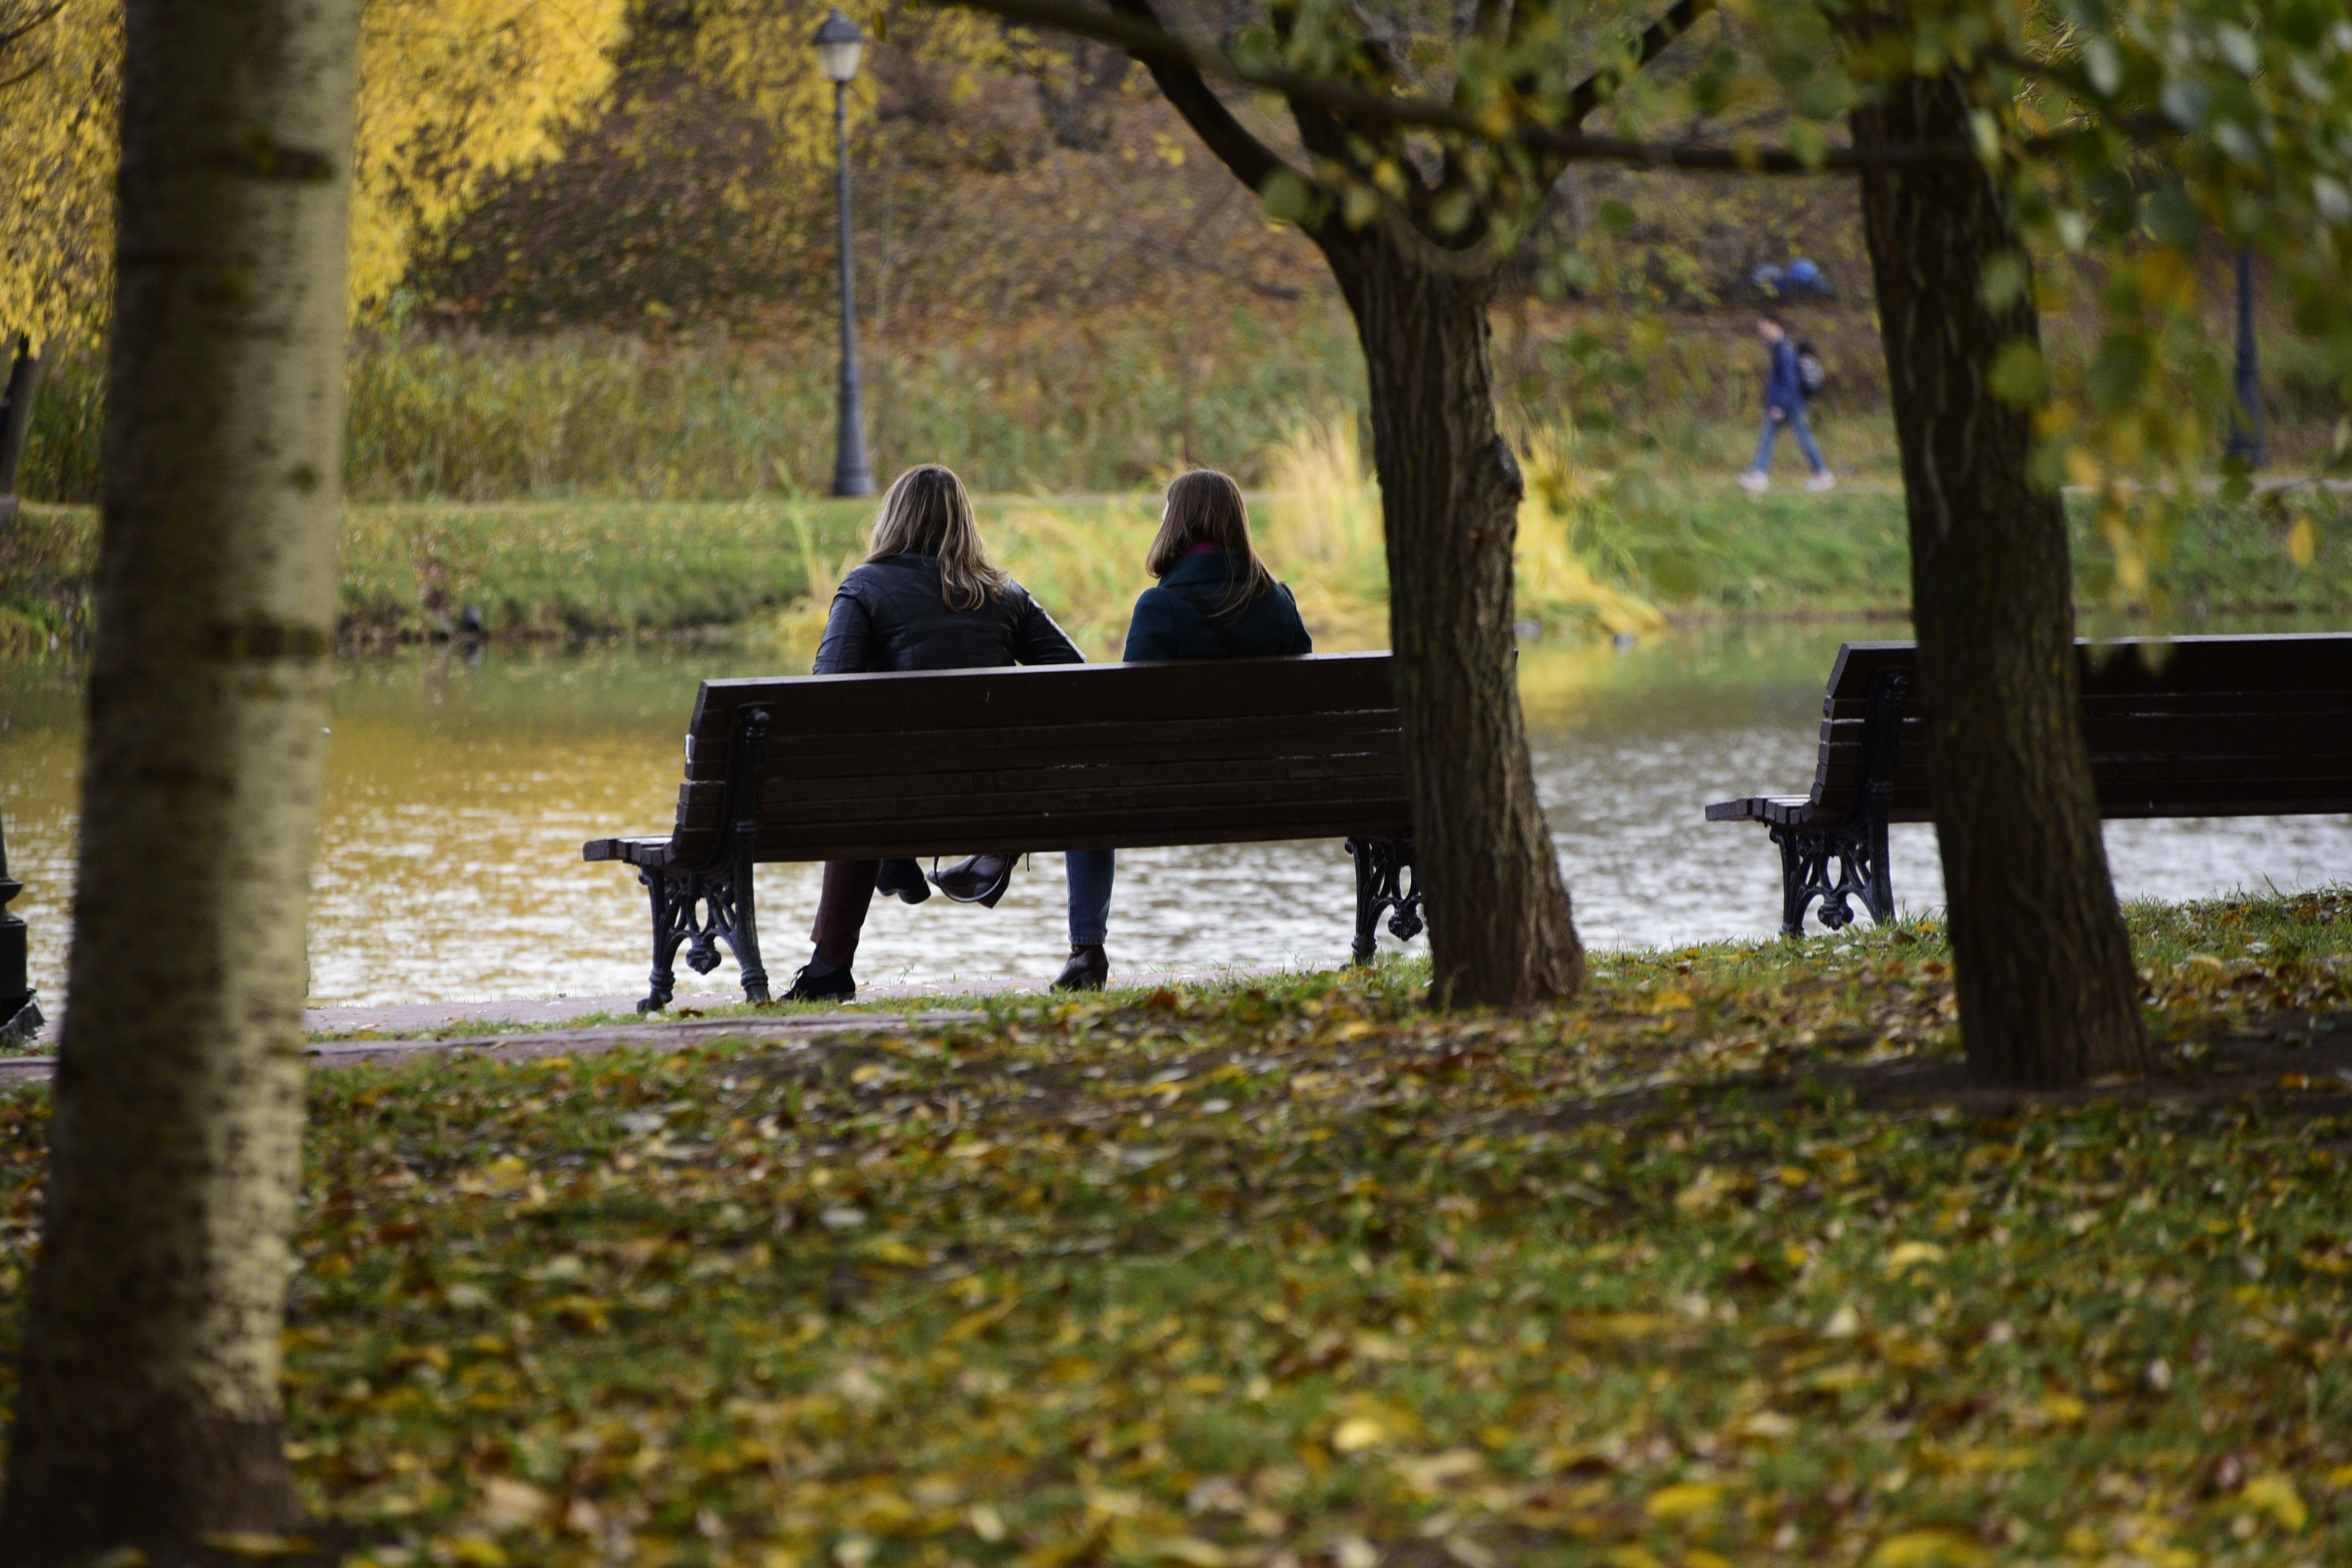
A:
(839, 44)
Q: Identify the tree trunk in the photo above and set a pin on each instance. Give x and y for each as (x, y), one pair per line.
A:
(16, 419)
(149, 1413)
(1499, 927)
(2043, 968)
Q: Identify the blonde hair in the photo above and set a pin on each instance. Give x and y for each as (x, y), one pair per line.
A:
(1205, 507)
(927, 512)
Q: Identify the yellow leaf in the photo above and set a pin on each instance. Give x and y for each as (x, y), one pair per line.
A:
(2339, 1477)
(2275, 1496)
(2300, 545)
(476, 1552)
(891, 1249)
(1910, 1252)
(2062, 1409)
(1191, 1549)
(1630, 1557)
(1927, 1548)
(1358, 1432)
(1684, 1499)
(1672, 1001)
(1700, 1557)
(510, 1504)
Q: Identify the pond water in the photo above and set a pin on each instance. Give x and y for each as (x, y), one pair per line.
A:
(460, 789)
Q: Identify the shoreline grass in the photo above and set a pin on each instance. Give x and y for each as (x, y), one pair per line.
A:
(1719, 1264)
(1598, 553)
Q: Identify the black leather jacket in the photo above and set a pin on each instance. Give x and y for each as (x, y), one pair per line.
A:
(888, 615)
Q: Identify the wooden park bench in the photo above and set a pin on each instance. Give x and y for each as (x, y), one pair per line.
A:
(2217, 726)
(1086, 756)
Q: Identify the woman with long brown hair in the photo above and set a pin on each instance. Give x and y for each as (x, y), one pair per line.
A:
(1216, 599)
(927, 597)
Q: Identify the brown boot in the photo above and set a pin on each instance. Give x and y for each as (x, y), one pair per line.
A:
(1088, 968)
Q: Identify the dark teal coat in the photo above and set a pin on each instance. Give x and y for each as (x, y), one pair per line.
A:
(1177, 620)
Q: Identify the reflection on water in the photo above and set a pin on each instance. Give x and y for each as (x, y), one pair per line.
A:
(459, 792)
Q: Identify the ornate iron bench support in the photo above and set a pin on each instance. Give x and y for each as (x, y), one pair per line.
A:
(1387, 880)
(714, 904)
(1859, 848)
(1858, 844)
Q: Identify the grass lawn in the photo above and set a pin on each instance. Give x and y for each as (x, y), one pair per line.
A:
(1721, 1264)
(604, 568)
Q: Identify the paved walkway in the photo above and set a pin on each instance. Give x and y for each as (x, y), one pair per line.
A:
(405, 1030)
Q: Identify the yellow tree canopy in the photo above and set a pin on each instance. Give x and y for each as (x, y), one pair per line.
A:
(452, 92)
(760, 49)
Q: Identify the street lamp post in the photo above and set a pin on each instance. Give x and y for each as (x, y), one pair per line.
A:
(2246, 431)
(839, 44)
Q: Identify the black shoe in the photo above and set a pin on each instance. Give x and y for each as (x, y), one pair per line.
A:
(902, 879)
(982, 879)
(839, 986)
(1088, 968)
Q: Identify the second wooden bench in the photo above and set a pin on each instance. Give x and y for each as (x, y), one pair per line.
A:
(2206, 726)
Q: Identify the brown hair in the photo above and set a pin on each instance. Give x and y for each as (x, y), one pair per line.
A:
(1204, 507)
(927, 512)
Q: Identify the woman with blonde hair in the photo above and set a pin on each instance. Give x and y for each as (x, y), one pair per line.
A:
(927, 597)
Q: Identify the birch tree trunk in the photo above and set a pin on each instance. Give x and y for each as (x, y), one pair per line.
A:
(148, 1410)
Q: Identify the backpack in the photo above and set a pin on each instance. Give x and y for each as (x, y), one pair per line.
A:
(1811, 373)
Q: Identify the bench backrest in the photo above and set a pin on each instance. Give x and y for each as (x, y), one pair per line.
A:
(1054, 757)
(2203, 726)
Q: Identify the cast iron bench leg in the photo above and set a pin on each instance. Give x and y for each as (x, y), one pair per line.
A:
(1387, 878)
(1858, 844)
(1859, 848)
(671, 926)
(701, 910)
(704, 908)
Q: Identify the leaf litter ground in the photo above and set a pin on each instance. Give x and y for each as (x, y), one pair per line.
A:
(1723, 1264)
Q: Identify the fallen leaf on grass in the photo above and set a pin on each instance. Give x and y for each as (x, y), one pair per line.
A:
(2275, 1495)
(1928, 1548)
(1910, 1252)
(510, 1504)
(1684, 1499)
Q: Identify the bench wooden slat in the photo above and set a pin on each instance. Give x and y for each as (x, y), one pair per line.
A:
(1128, 803)
(1328, 820)
(915, 750)
(1054, 695)
(943, 753)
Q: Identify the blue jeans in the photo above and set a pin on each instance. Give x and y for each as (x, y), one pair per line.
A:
(1772, 428)
(1089, 871)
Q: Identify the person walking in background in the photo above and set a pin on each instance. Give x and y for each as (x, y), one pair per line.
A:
(1215, 600)
(1784, 406)
(927, 597)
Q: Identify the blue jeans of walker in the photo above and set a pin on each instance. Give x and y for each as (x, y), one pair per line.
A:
(1089, 871)
(1772, 428)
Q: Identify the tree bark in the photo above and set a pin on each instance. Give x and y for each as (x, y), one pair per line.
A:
(1500, 930)
(17, 418)
(149, 1413)
(2042, 964)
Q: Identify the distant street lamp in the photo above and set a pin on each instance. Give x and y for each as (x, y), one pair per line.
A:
(2246, 431)
(839, 44)
(20, 1017)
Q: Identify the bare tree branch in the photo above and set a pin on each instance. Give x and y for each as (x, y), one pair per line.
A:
(1679, 19)
(1173, 66)
(1191, 64)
